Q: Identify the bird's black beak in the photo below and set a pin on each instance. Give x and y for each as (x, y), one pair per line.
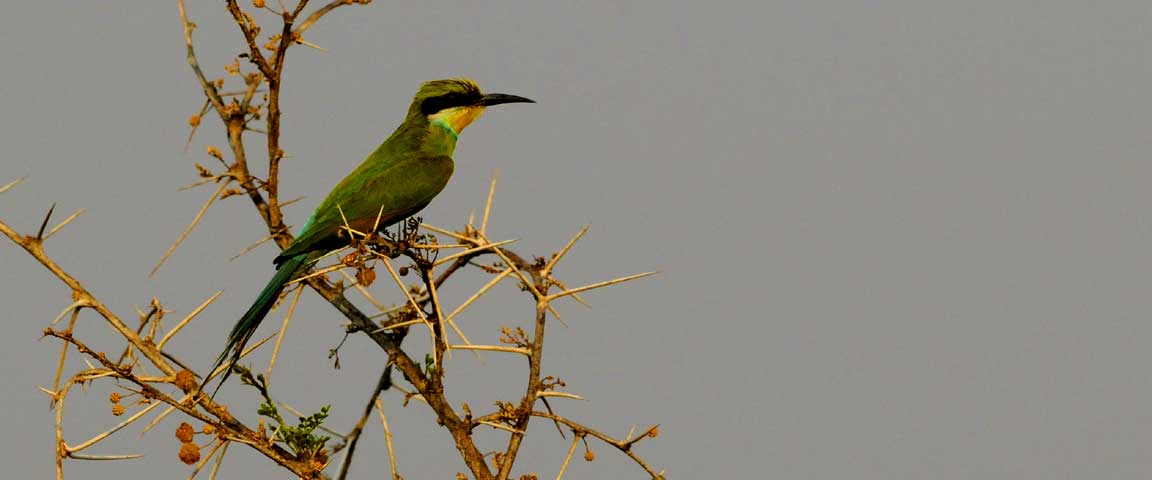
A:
(501, 98)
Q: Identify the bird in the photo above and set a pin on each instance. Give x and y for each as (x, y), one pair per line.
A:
(394, 182)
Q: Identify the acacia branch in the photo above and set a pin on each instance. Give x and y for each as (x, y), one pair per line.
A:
(208, 87)
(35, 248)
(282, 457)
(250, 30)
(320, 12)
(526, 403)
(622, 445)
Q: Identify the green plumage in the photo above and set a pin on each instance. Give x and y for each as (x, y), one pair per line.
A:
(396, 181)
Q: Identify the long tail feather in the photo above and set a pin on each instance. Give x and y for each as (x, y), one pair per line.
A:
(248, 324)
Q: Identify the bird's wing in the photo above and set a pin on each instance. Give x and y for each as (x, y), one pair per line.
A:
(392, 193)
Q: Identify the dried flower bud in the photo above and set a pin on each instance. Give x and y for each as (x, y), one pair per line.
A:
(184, 432)
(117, 409)
(461, 476)
(589, 456)
(366, 276)
(189, 453)
(654, 433)
(209, 429)
(114, 397)
(231, 192)
(194, 120)
(185, 380)
(213, 151)
(258, 3)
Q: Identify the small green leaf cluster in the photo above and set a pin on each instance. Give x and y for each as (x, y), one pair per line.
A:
(299, 438)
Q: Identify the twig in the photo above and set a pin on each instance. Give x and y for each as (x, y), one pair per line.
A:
(442, 345)
(563, 251)
(561, 395)
(64, 350)
(564, 466)
(35, 248)
(188, 318)
(160, 418)
(500, 426)
(251, 247)
(63, 223)
(127, 456)
(534, 359)
(488, 204)
(470, 251)
(494, 348)
(109, 432)
(273, 452)
(482, 291)
(13, 183)
(606, 283)
(387, 438)
(283, 331)
(411, 301)
(196, 125)
(354, 437)
(219, 461)
(315, 16)
(44, 224)
(188, 229)
(623, 446)
(209, 89)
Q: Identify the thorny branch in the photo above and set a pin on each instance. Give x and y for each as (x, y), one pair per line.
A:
(237, 112)
(83, 299)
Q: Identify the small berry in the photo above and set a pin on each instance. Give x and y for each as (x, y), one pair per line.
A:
(184, 432)
(189, 453)
(185, 380)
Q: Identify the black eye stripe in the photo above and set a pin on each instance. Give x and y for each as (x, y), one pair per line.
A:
(448, 100)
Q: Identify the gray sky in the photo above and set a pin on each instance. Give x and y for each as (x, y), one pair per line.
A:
(901, 239)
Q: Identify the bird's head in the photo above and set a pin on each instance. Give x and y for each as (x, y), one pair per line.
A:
(455, 103)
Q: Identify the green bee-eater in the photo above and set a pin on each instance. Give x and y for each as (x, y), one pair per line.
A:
(397, 180)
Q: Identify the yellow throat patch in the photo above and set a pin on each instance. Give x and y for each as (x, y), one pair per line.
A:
(457, 118)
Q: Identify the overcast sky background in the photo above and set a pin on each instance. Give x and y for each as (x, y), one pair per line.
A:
(901, 239)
